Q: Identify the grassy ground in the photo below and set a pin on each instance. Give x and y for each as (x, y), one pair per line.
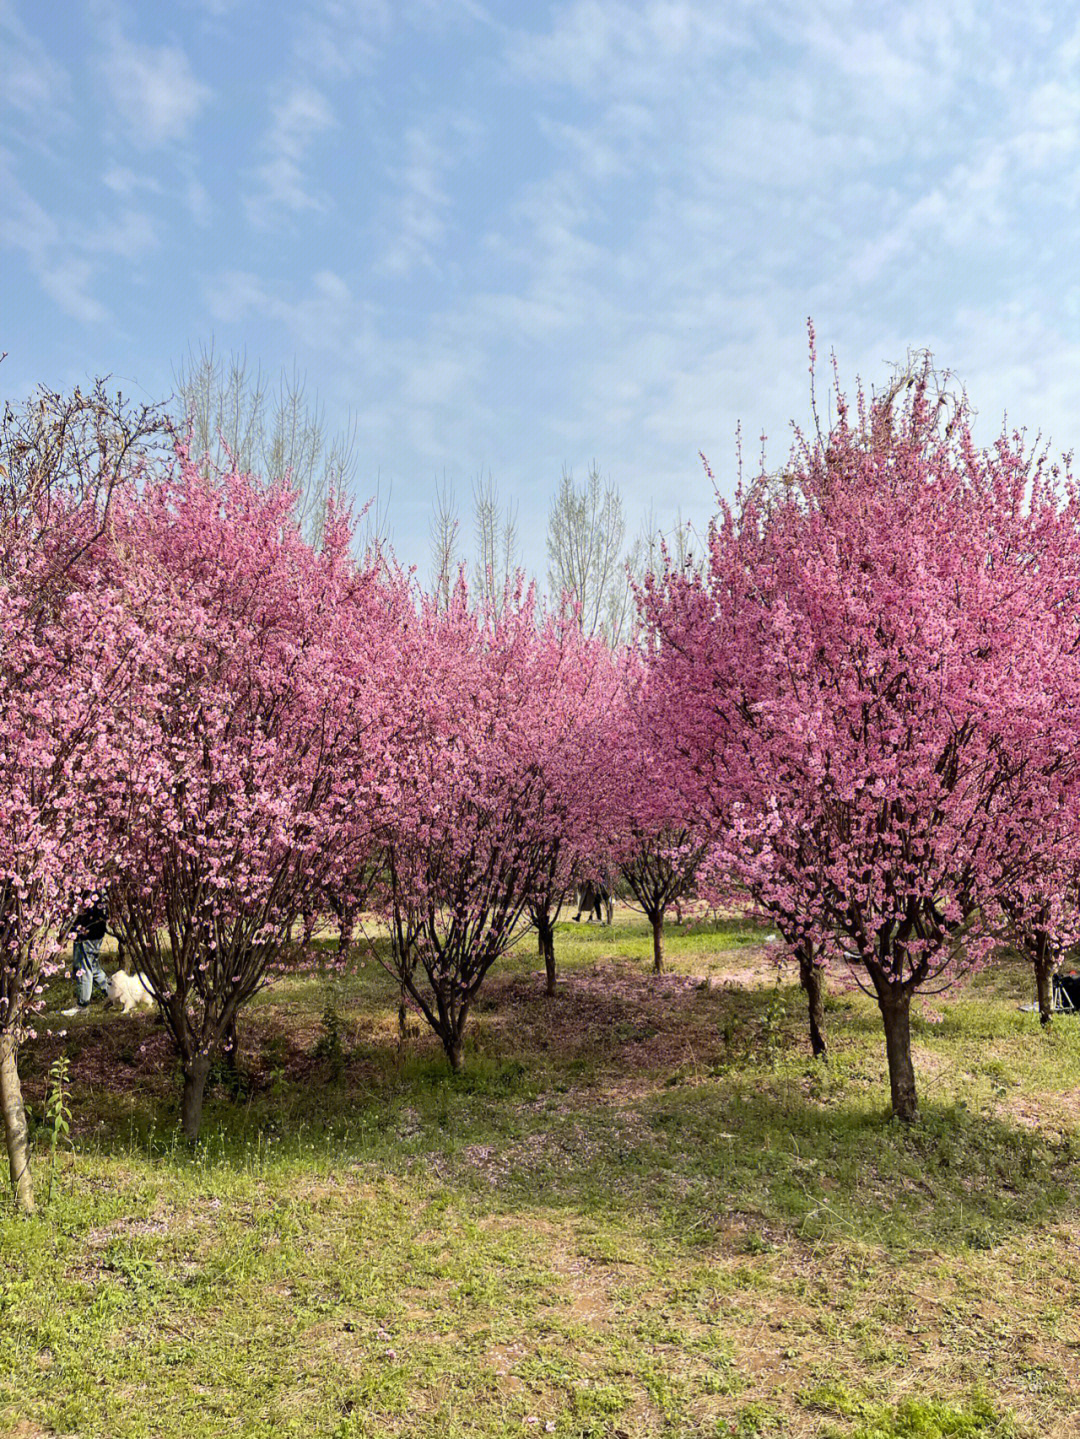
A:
(642, 1210)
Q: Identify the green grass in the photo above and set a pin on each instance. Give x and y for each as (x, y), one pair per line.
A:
(641, 1210)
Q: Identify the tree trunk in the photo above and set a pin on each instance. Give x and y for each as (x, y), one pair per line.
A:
(895, 1004)
(194, 1088)
(658, 944)
(452, 1045)
(1044, 986)
(345, 930)
(308, 918)
(810, 978)
(18, 1146)
(546, 934)
(230, 1054)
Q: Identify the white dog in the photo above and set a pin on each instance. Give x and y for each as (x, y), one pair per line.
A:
(130, 991)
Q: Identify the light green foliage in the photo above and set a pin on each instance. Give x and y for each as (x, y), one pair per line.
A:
(57, 1112)
(912, 1418)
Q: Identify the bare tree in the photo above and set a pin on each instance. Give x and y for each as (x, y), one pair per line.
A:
(496, 536)
(374, 530)
(586, 557)
(445, 531)
(237, 416)
(496, 541)
(60, 450)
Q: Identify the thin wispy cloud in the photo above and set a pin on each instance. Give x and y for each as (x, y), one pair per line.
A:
(153, 89)
(35, 84)
(612, 47)
(339, 40)
(129, 234)
(127, 183)
(283, 181)
(422, 205)
(24, 224)
(29, 230)
(69, 284)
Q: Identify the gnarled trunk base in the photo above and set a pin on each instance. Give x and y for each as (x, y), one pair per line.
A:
(452, 1046)
(812, 981)
(546, 935)
(1044, 988)
(191, 1106)
(14, 1111)
(895, 1004)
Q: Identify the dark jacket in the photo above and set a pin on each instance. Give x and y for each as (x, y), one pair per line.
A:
(92, 921)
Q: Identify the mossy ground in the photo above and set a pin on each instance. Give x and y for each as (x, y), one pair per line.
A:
(641, 1210)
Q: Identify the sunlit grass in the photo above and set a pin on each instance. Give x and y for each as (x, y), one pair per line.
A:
(641, 1210)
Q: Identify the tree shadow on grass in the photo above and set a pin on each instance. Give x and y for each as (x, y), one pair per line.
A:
(953, 1180)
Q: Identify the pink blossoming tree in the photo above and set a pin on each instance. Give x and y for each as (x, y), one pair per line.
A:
(65, 656)
(1040, 908)
(497, 739)
(883, 658)
(229, 796)
(723, 881)
(658, 849)
(580, 679)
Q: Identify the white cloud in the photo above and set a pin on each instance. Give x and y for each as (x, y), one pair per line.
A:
(66, 256)
(607, 151)
(427, 388)
(25, 226)
(418, 223)
(281, 181)
(1014, 359)
(328, 319)
(129, 235)
(418, 216)
(611, 47)
(341, 39)
(68, 282)
(154, 90)
(1051, 134)
(34, 83)
(338, 39)
(235, 294)
(197, 199)
(128, 184)
(125, 182)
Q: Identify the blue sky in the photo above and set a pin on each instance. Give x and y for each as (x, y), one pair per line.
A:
(509, 238)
